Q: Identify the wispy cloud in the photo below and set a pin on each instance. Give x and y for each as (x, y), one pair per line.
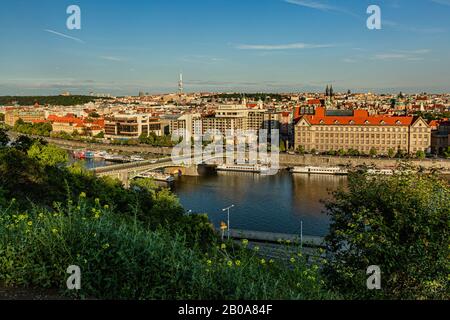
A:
(320, 5)
(110, 58)
(407, 55)
(289, 46)
(422, 30)
(64, 35)
(201, 59)
(350, 60)
(443, 2)
(313, 5)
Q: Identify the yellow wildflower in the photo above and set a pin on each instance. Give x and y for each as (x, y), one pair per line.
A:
(230, 263)
(223, 246)
(238, 263)
(263, 261)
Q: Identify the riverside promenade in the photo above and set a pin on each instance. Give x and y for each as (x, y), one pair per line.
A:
(286, 160)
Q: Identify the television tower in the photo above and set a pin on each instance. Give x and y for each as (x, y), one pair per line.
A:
(180, 84)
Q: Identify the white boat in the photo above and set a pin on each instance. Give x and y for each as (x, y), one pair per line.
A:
(136, 158)
(157, 176)
(100, 154)
(244, 168)
(116, 158)
(320, 170)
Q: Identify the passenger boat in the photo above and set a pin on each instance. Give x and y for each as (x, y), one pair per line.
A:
(116, 158)
(136, 158)
(320, 170)
(244, 168)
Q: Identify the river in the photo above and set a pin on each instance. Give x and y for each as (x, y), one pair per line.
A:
(262, 203)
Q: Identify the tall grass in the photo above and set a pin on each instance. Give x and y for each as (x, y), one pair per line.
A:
(121, 259)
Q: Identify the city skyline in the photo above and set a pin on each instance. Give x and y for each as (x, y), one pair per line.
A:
(268, 46)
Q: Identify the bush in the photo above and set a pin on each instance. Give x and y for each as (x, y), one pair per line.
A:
(120, 259)
(401, 224)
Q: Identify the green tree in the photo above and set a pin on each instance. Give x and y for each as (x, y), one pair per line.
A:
(391, 153)
(300, 150)
(353, 152)
(4, 138)
(421, 155)
(399, 223)
(282, 146)
(447, 153)
(373, 152)
(341, 152)
(24, 143)
(48, 155)
(100, 135)
(400, 153)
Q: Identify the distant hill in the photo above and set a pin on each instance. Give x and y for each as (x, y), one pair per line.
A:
(43, 100)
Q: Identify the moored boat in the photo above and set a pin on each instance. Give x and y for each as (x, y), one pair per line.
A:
(244, 168)
(320, 170)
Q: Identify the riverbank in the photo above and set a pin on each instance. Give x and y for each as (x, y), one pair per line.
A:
(285, 159)
(289, 160)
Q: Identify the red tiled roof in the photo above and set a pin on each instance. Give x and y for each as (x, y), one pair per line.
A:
(67, 119)
(314, 102)
(360, 117)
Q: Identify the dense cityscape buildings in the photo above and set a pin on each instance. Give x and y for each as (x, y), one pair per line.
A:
(313, 122)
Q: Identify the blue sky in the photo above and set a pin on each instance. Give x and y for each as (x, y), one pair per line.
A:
(226, 45)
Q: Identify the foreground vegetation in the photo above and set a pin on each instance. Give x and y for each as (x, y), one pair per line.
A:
(138, 243)
(399, 223)
(129, 244)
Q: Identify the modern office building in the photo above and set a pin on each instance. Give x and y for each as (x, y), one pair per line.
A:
(124, 126)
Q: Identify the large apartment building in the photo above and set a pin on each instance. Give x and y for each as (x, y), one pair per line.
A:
(226, 117)
(124, 126)
(27, 114)
(361, 132)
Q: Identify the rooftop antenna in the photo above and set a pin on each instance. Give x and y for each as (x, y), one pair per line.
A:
(180, 84)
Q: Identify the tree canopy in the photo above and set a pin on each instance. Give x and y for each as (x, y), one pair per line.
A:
(399, 223)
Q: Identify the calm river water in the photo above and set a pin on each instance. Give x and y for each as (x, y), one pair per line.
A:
(262, 203)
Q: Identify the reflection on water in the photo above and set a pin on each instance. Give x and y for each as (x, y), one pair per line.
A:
(90, 163)
(263, 203)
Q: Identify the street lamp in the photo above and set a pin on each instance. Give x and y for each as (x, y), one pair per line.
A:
(227, 209)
